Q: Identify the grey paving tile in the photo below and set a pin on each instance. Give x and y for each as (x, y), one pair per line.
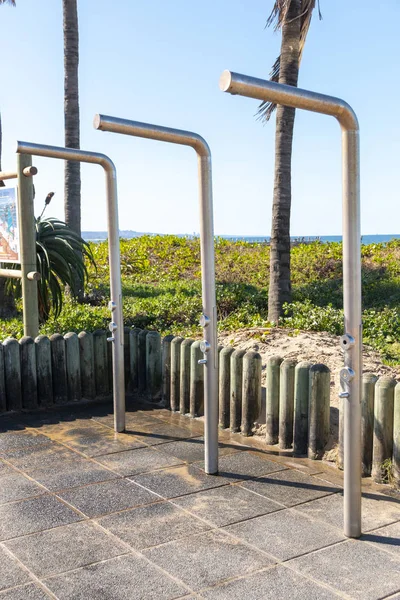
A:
(20, 439)
(207, 559)
(71, 473)
(354, 568)
(111, 496)
(25, 592)
(228, 504)
(121, 578)
(11, 574)
(5, 469)
(45, 421)
(286, 534)
(290, 487)
(35, 514)
(276, 583)
(39, 457)
(377, 510)
(192, 450)
(386, 538)
(152, 525)
(65, 548)
(178, 481)
(17, 487)
(159, 434)
(103, 442)
(142, 460)
(132, 419)
(68, 430)
(8, 424)
(245, 465)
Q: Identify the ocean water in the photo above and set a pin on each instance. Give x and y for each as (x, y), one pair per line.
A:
(365, 239)
(100, 236)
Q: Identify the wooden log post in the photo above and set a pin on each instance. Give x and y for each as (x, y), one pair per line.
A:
(396, 436)
(272, 404)
(28, 373)
(58, 368)
(44, 371)
(175, 372)
(153, 366)
(127, 361)
(286, 403)
(251, 391)
(27, 257)
(142, 383)
(101, 362)
(87, 368)
(236, 389)
(134, 358)
(301, 394)
(382, 451)
(367, 422)
(110, 363)
(319, 410)
(196, 381)
(184, 384)
(12, 372)
(224, 389)
(73, 367)
(3, 401)
(166, 370)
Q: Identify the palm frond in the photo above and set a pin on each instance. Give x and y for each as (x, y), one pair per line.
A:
(61, 258)
(278, 17)
(12, 2)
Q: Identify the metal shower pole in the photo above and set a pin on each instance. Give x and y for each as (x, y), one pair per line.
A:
(209, 317)
(116, 326)
(351, 341)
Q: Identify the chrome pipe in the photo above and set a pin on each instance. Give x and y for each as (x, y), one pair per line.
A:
(209, 318)
(114, 257)
(351, 342)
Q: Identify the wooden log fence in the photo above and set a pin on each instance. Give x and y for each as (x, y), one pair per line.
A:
(55, 370)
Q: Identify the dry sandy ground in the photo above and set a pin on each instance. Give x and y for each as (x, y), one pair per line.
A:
(315, 347)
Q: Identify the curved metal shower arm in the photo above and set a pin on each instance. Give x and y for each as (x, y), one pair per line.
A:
(278, 93)
(72, 154)
(153, 132)
(77, 155)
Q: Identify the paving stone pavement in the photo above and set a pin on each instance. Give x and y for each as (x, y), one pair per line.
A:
(87, 514)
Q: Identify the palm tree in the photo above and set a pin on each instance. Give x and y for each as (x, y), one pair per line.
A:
(72, 183)
(12, 2)
(7, 306)
(293, 18)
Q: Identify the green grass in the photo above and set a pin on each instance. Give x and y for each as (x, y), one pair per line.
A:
(162, 290)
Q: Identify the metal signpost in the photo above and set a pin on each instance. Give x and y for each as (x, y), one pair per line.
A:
(27, 244)
(209, 318)
(351, 342)
(116, 326)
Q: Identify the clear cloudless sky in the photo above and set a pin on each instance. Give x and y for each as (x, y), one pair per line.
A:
(160, 62)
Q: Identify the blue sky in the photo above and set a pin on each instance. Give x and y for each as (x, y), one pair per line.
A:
(160, 62)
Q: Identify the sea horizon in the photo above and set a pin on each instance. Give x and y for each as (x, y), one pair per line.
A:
(100, 236)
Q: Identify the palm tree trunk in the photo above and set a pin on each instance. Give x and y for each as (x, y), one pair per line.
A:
(72, 186)
(280, 290)
(7, 304)
(2, 184)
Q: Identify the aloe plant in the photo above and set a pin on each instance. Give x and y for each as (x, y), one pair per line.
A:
(61, 261)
